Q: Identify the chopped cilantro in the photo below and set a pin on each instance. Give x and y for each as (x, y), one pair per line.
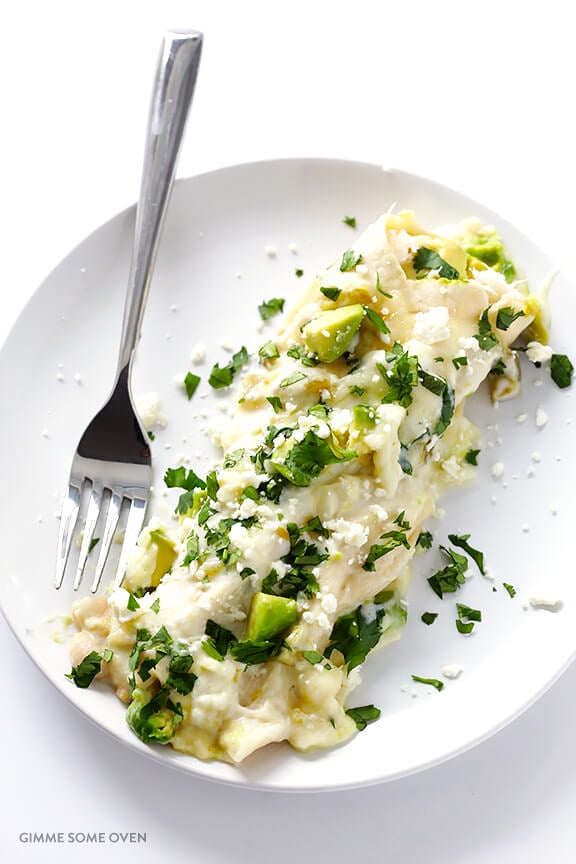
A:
(349, 261)
(506, 316)
(271, 307)
(268, 351)
(233, 457)
(441, 388)
(467, 613)
(191, 382)
(84, 673)
(252, 652)
(510, 589)
(151, 435)
(378, 550)
(354, 635)
(462, 543)
(307, 458)
(276, 403)
(218, 640)
(561, 370)
(132, 603)
(192, 549)
(154, 607)
(401, 379)
(293, 379)
(363, 715)
(223, 376)
(429, 259)
(357, 390)
(94, 542)
(425, 540)
(464, 627)
(459, 361)
(180, 478)
(376, 320)
(433, 682)
(350, 221)
(299, 272)
(313, 657)
(485, 336)
(403, 460)
(471, 457)
(331, 291)
(428, 617)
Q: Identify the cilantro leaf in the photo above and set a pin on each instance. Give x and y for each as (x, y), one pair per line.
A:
(462, 543)
(222, 376)
(354, 635)
(255, 651)
(510, 589)
(376, 320)
(268, 351)
(464, 627)
(429, 259)
(485, 336)
(350, 221)
(276, 403)
(271, 307)
(467, 613)
(84, 673)
(363, 715)
(401, 379)
(191, 382)
(441, 388)
(349, 261)
(331, 291)
(561, 370)
(307, 458)
(506, 316)
(378, 550)
(428, 617)
(434, 682)
(425, 539)
(471, 457)
(218, 640)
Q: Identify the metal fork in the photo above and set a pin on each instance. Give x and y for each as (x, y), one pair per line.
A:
(112, 461)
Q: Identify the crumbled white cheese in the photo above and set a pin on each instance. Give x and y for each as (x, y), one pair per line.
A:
(271, 251)
(198, 354)
(148, 408)
(497, 469)
(538, 353)
(541, 417)
(453, 670)
(432, 326)
(541, 600)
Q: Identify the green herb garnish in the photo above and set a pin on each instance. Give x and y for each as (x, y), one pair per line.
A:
(84, 673)
(561, 370)
(428, 617)
(350, 221)
(191, 382)
(222, 376)
(363, 715)
(331, 291)
(349, 261)
(433, 682)
(506, 316)
(268, 308)
(429, 259)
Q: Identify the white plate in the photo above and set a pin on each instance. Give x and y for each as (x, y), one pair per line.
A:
(212, 272)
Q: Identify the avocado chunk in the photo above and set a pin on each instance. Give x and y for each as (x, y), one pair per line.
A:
(270, 616)
(165, 555)
(329, 334)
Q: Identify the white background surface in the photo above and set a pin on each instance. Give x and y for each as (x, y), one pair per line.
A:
(480, 98)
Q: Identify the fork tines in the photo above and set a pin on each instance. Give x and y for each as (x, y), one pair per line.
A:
(100, 501)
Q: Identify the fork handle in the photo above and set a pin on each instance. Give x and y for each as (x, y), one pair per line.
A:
(171, 97)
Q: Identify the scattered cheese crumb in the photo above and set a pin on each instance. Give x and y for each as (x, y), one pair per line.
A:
(270, 251)
(452, 671)
(545, 601)
(541, 417)
(497, 469)
(538, 353)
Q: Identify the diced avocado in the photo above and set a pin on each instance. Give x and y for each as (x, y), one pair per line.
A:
(489, 249)
(270, 616)
(165, 555)
(329, 334)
